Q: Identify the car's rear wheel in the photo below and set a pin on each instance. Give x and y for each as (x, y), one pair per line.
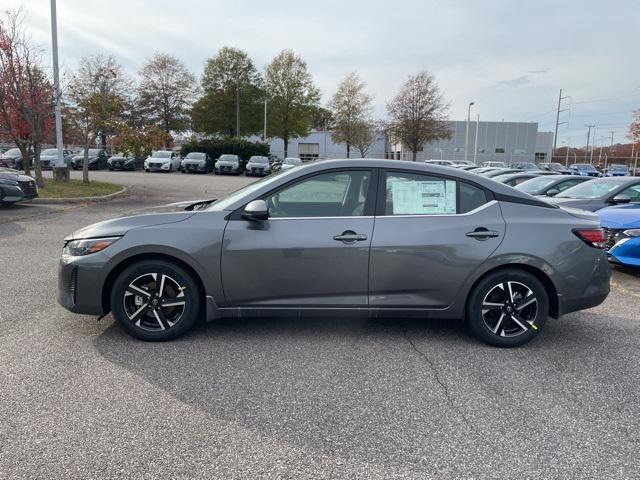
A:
(507, 308)
(156, 300)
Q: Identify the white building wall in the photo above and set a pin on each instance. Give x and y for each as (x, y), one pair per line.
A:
(326, 147)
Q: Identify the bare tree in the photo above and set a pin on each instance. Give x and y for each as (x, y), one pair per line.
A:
(363, 135)
(26, 94)
(292, 96)
(96, 103)
(350, 106)
(167, 90)
(418, 114)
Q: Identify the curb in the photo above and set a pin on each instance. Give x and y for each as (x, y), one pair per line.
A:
(103, 198)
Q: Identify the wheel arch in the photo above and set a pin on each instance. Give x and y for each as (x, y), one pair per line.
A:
(552, 292)
(128, 261)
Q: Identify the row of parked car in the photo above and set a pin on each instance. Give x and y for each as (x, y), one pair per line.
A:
(614, 197)
(580, 169)
(158, 161)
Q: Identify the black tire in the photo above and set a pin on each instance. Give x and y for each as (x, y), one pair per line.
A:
(503, 323)
(150, 325)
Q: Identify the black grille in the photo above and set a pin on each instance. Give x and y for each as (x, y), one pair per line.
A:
(29, 188)
(612, 236)
(156, 165)
(73, 284)
(117, 164)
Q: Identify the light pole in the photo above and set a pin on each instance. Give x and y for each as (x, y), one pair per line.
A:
(466, 131)
(60, 171)
(475, 148)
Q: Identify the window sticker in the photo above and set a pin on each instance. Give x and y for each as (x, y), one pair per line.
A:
(431, 197)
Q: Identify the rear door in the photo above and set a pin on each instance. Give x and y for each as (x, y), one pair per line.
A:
(430, 235)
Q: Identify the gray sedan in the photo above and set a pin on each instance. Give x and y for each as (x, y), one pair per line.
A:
(344, 237)
(599, 193)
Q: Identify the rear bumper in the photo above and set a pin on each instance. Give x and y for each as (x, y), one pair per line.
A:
(589, 288)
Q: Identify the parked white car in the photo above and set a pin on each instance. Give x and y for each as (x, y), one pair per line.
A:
(290, 162)
(162, 161)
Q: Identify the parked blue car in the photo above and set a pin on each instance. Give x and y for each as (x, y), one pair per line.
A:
(622, 231)
(584, 169)
(618, 171)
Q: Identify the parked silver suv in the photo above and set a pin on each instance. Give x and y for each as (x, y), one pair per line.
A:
(344, 237)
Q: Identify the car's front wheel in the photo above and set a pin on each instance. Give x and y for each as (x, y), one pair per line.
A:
(507, 308)
(156, 300)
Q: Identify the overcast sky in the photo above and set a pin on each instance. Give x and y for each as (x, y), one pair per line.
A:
(509, 56)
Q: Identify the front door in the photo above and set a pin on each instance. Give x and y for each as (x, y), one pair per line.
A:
(430, 235)
(312, 251)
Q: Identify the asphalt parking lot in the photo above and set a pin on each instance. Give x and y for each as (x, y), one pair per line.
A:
(305, 398)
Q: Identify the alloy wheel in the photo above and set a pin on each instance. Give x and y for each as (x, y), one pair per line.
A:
(510, 309)
(154, 302)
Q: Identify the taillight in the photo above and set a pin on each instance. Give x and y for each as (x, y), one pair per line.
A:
(594, 237)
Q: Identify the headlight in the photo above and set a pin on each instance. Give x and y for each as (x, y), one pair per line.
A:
(78, 248)
(6, 181)
(634, 232)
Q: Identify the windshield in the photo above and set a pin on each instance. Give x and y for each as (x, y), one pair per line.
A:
(49, 151)
(259, 160)
(556, 166)
(292, 161)
(592, 189)
(585, 167)
(161, 154)
(535, 185)
(619, 168)
(12, 151)
(228, 158)
(195, 156)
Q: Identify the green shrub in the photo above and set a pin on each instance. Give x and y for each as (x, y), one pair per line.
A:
(235, 146)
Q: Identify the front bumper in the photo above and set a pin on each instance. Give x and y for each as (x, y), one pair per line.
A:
(121, 166)
(227, 169)
(80, 284)
(158, 167)
(626, 252)
(194, 167)
(256, 171)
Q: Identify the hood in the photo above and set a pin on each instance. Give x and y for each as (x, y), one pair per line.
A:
(79, 158)
(227, 162)
(120, 226)
(16, 177)
(4, 156)
(193, 160)
(623, 216)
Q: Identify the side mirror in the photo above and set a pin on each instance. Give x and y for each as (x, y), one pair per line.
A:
(553, 192)
(256, 210)
(621, 199)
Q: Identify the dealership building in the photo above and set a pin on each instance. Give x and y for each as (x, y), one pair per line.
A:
(495, 141)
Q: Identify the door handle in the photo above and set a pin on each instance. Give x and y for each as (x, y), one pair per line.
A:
(482, 233)
(350, 236)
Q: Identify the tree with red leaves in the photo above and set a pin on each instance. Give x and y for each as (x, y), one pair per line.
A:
(26, 94)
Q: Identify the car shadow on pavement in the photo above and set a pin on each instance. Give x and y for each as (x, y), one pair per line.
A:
(349, 387)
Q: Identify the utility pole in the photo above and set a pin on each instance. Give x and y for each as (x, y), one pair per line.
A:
(593, 144)
(555, 135)
(475, 149)
(586, 152)
(60, 171)
(566, 159)
(466, 131)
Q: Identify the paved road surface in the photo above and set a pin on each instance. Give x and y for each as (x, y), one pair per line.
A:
(299, 399)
